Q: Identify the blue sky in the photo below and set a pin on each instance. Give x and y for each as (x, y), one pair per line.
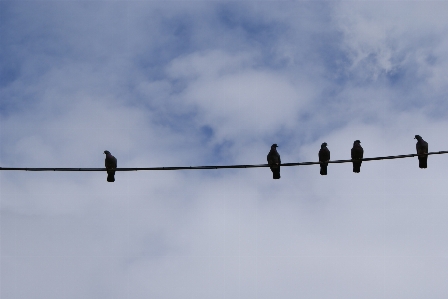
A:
(200, 82)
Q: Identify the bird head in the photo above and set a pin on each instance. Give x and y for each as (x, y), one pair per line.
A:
(323, 145)
(356, 141)
(418, 137)
(274, 146)
(107, 152)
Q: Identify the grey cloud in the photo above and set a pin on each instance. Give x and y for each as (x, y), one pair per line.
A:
(167, 84)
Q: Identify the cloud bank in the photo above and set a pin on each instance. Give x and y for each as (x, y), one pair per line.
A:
(197, 83)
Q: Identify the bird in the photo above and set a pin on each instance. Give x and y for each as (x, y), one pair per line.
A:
(324, 156)
(422, 149)
(274, 161)
(357, 153)
(111, 165)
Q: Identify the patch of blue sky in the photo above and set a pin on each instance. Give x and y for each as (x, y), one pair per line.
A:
(206, 133)
(285, 139)
(253, 27)
(29, 50)
(160, 52)
(221, 152)
(9, 71)
(336, 62)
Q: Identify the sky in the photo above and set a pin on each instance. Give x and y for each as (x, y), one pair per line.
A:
(186, 83)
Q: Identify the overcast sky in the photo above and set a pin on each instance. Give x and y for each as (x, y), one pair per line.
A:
(213, 83)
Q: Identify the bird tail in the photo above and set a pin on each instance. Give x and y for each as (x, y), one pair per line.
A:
(423, 162)
(323, 169)
(111, 176)
(276, 173)
(357, 167)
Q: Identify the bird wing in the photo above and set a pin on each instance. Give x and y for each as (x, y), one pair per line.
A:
(324, 154)
(357, 152)
(422, 147)
(110, 162)
(425, 147)
(273, 158)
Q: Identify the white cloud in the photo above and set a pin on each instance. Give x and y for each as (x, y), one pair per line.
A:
(164, 85)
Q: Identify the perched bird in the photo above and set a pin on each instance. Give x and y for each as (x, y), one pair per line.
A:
(422, 149)
(111, 165)
(274, 161)
(357, 153)
(324, 156)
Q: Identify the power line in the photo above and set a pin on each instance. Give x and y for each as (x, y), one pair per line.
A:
(216, 166)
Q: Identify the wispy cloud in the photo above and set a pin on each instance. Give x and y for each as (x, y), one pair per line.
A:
(194, 83)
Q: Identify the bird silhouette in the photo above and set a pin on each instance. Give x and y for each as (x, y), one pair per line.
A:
(422, 149)
(357, 154)
(274, 161)
(111, 164)
(324, 156)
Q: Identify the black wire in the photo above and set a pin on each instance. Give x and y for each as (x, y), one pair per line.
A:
(215, 167)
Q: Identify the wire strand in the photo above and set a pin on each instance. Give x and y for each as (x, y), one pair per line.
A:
(216, 166)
